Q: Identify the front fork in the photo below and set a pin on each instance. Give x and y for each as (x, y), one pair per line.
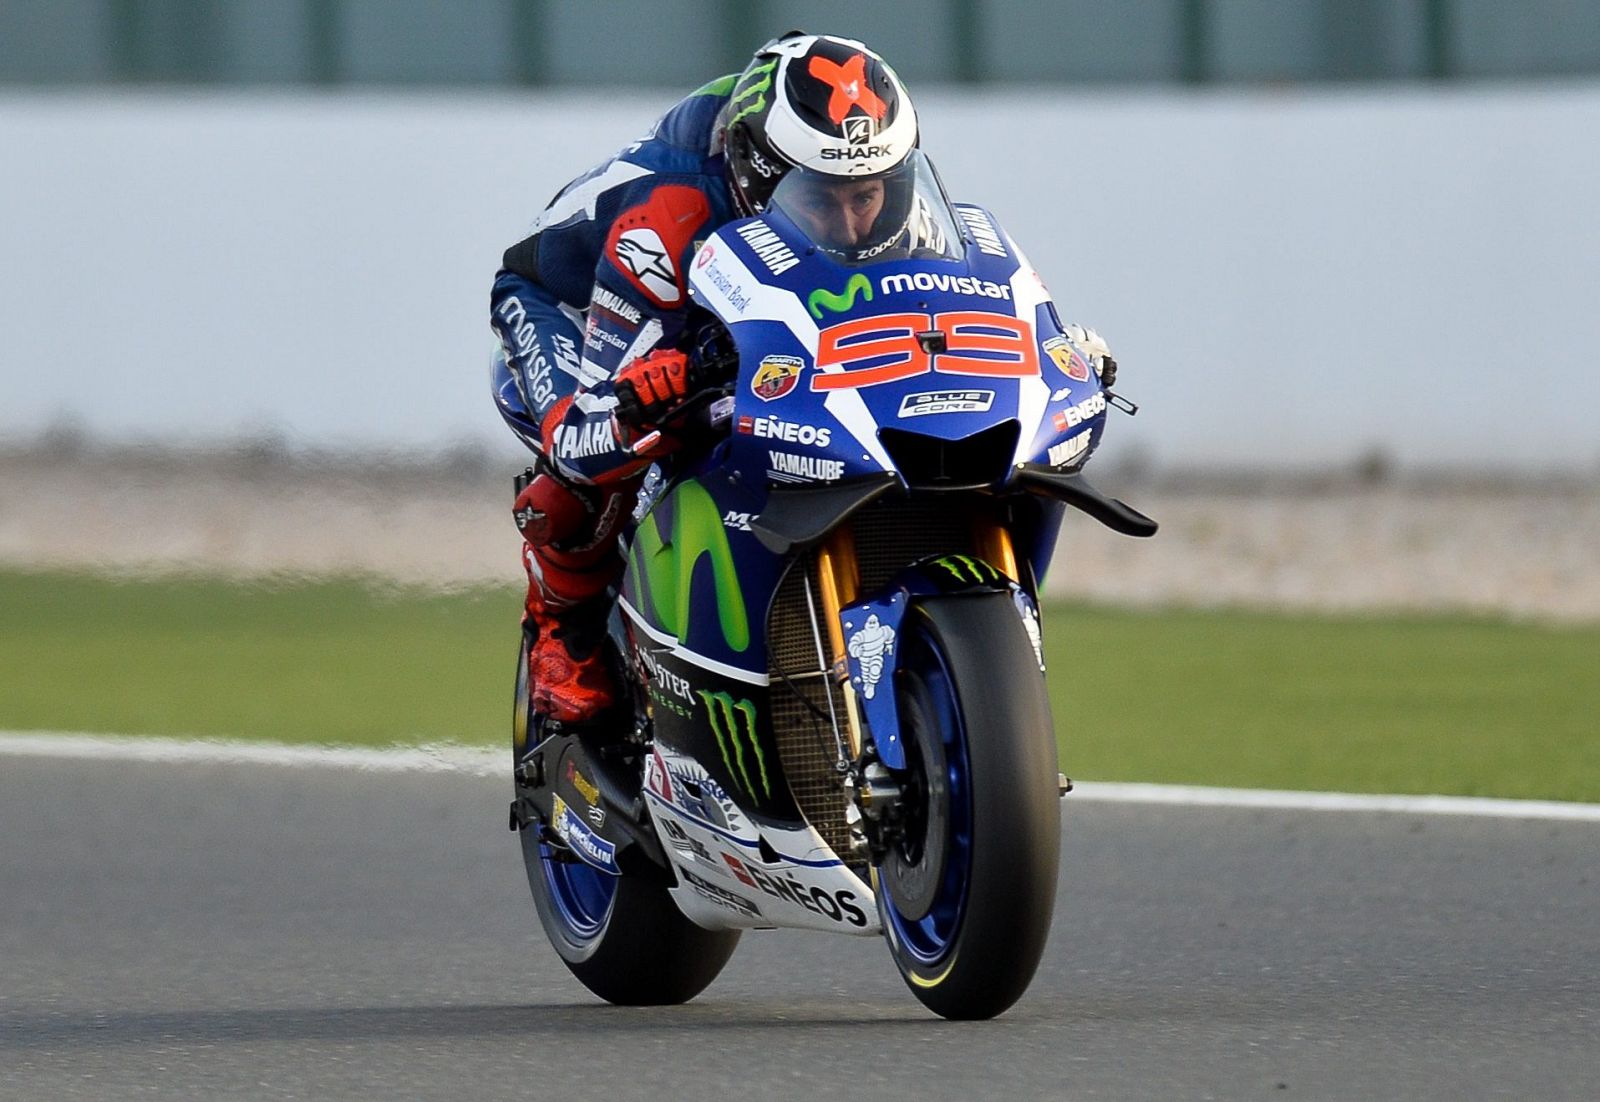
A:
(839, 582)
(877, 792)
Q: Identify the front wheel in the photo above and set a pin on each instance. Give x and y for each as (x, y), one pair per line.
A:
(967, 891)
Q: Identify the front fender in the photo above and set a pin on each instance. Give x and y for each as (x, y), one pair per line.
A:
(872, 629)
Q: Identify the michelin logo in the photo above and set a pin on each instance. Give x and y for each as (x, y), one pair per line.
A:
(585, 842)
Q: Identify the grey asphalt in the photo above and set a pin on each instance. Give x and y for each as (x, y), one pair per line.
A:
(207, 931)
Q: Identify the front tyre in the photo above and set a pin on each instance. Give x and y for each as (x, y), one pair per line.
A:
(967, 892)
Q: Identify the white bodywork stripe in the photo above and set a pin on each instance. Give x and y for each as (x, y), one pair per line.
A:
(1033, 395)
(692, 657)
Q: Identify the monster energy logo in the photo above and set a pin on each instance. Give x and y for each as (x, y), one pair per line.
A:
(839, 303)
(724, 713)
(965, 568)
(752, 87)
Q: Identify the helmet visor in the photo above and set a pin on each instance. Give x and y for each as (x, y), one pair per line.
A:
(892, 215)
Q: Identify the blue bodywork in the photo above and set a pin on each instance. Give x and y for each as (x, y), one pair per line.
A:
(794, 422)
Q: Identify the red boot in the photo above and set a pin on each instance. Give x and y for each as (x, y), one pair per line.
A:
(571, 558)
(568, 677)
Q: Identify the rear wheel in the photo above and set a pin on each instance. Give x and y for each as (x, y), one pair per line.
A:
(622, 937)
(967, 892)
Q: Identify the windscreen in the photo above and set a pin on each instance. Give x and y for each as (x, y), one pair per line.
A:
(894, 215)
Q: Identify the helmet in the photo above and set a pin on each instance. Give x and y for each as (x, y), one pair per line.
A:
(828, 104)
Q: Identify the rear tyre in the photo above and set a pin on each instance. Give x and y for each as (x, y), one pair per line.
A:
(967, 894)
(623, 938)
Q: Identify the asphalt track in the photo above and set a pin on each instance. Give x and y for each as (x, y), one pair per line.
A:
(234, 930)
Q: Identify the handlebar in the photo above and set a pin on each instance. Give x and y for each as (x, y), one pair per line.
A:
(703, 411)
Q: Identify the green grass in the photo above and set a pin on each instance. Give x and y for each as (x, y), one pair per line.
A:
(333, 661)
(1448, 705)
(1465, 706)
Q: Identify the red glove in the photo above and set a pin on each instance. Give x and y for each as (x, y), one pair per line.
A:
(650, 386)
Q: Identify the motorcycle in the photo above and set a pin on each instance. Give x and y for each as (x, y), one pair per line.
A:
(829, 620)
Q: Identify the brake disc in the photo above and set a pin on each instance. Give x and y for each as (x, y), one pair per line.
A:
(914, 868)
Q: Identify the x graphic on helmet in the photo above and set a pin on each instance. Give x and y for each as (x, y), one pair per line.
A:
(849, 87)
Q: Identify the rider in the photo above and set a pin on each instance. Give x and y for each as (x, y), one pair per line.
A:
(593, 312)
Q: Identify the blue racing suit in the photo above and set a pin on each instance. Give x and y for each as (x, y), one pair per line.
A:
(601, 280)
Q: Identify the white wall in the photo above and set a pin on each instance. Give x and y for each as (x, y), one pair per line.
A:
(1285, 276)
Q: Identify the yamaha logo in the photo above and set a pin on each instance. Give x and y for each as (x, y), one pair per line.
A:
(859, 129)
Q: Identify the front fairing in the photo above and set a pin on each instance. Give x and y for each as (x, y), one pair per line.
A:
(832, 355)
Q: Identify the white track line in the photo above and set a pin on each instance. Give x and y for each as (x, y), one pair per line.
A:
(493, 762)
(1191, 796)
(480, 761)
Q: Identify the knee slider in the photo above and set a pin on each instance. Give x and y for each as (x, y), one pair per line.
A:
(549, 510)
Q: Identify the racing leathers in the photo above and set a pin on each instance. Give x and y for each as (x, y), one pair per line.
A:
(599, 283)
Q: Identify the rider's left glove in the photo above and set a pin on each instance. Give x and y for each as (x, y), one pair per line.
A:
(651, 386)
(1094, 346)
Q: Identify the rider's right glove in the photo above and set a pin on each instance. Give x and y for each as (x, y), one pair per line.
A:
(651, 386)
(1094, 346)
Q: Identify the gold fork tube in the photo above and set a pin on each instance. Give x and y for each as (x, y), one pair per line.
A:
(994, 546)
(839, 582)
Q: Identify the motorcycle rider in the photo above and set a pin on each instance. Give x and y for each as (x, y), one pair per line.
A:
(593, 312)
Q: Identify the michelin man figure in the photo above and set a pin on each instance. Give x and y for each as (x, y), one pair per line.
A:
(869, 645)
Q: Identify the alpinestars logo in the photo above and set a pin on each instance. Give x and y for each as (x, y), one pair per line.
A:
(733, 722)
(642, 253)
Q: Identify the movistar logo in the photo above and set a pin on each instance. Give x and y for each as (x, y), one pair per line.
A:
(965, 568)
(757, 81)
(737, 741)
(662, 568)
(820, 298)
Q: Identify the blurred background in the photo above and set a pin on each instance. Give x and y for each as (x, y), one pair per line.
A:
(1316, 232)
(1345, 250)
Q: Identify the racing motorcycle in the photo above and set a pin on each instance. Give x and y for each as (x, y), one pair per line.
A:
(830, 622)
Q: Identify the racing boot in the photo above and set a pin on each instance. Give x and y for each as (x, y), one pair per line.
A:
(571, 559)
(569, 678)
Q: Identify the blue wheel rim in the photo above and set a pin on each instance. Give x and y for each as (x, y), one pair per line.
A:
(582, 895)
(929, 940)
